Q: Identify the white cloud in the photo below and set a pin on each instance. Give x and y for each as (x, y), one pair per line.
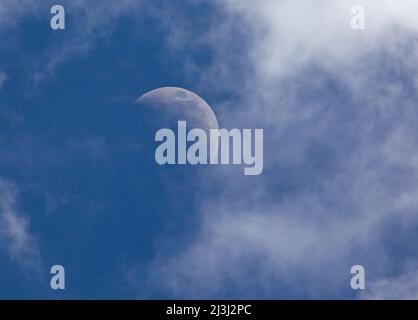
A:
(15, 236)
(404, 286)
(339, 110)
(297, 33)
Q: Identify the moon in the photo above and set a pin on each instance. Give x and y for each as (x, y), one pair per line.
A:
(172, 104)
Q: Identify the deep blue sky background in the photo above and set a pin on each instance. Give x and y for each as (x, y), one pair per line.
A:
(91, 192)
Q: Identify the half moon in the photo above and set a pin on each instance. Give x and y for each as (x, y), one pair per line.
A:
(174, 104)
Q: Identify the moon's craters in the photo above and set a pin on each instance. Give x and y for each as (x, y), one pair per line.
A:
(174, 104)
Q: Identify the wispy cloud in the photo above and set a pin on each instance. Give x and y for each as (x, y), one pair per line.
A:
(91, 23)
(11, 12)
(402, 286)
(3, 78)
(15, 234)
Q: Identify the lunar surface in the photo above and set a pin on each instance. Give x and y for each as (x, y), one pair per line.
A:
(172, 104)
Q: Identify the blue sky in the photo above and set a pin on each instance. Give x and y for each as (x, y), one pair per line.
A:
(79, 185)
